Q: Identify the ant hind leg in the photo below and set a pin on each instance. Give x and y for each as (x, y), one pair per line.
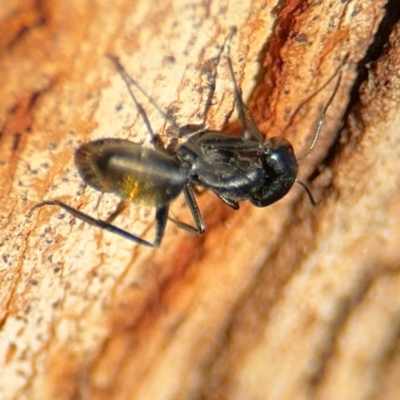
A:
(161, 219)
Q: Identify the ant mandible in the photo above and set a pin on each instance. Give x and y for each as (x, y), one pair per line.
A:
(234, 168)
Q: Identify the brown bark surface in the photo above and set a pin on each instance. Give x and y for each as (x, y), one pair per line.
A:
(287, 302)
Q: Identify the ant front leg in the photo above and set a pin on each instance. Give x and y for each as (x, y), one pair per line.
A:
(195, 211)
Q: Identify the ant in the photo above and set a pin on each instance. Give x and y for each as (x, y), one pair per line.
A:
(235, 169)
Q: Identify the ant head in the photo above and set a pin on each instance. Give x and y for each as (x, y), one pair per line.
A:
(280, 166)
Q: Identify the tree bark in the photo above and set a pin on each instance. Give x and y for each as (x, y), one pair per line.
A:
(287, 302)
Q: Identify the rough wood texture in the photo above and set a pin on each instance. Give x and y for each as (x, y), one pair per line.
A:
(287, 302)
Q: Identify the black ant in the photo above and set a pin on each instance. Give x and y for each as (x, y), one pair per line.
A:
(235, 169)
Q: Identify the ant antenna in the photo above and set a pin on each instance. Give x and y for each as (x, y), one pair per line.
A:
(322, 115)
(321, 121)
(308, 191)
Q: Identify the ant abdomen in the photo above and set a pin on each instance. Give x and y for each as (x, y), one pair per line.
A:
(135, 173)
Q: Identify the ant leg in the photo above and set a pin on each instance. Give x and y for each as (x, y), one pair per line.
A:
(210, 71)
(191, 128)
(105, 225)
(194, 209)
(231, 203)
(250, 129)
(130, 81)
(161, 221)
(122, 205)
